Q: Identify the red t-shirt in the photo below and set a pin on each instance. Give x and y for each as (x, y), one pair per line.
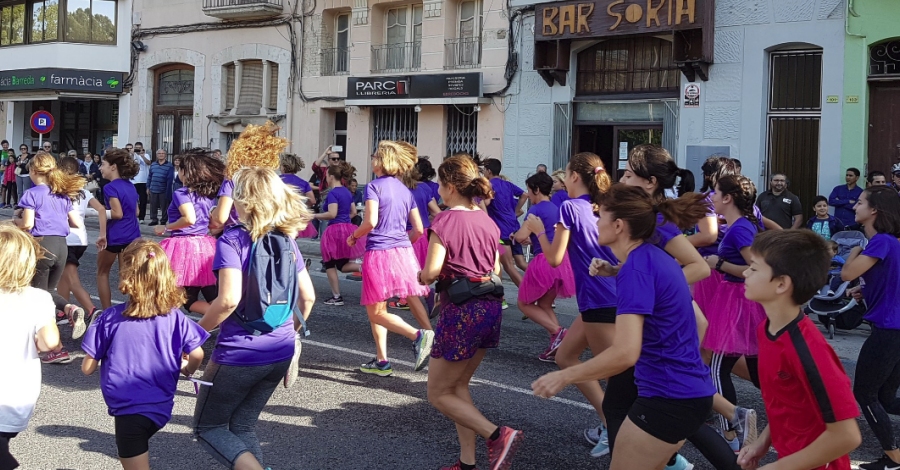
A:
(470, 238)
(804, 386)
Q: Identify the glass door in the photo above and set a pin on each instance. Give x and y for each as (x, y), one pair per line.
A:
(628, 137)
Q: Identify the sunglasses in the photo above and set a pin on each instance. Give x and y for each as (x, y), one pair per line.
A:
(334, 159)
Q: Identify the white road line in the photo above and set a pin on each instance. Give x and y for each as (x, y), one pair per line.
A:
(490, 383)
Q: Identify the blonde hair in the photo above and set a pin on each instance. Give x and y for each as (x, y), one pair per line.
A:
(18, 258)
(269, 204)
(58, 181)
(396, 158)
(291, 163)
(258, 146)
(146, 277)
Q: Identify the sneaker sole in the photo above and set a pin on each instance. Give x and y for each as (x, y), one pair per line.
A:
(601, 454)
(505, 460)
(427, 343)
(378, 372)
(79, 327)
(551, 360)
(750, 433)
(588, 439)
(59, 361)
(294, 369)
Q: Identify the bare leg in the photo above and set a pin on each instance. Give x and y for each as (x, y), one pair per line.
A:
(351, 267)
(569, 354)
(520, 262)
(542, 313)
(247, 461)
(506, 260)
(105, 261)
(637, 450)
(382, 321)
(140, 462)
(333, 281)
(200, 306)
(73, 282)
(418, 311)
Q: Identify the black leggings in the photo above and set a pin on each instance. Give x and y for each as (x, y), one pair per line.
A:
(720, 367)
(877, 379)
(621, 393)
(50, 268)
(193, 294)
(10, 193)
(7, 461)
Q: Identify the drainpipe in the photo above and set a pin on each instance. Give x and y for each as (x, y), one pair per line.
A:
(851, 11)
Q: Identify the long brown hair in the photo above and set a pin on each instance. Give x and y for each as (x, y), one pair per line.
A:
(124, 162)
(461, 173)
(633, 205)
(58, 181)
(652, 161)
(590, 167)
(147, 279)
(742, 192)
(202, 173)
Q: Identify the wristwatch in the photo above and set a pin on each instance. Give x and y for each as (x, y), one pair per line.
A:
(719, 264)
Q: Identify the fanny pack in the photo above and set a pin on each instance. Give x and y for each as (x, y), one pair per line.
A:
(462, 289)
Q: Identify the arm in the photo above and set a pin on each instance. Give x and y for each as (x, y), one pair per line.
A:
(417, 228)
(522, 200)
(47, 338)
(323, 159)
(230, 290)
(770, 225)
(434, 260)
(307, 291)
(101, 216)
(798, 221)
(433, 208)
(797, 211)
(220, 213)
(693, 265)
(835, 200)
(857, 264)
(736, 270)
(556, 251)
(310, 198)
(195, 357)
(331, 214)
(188, 218)
(707, 232)
(115, 209)
(838, 439)
(146, 159)
(522, 235)
(74, 219)
(89, 365)
(26, 222)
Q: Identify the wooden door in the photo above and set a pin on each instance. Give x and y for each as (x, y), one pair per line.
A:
(884, 126)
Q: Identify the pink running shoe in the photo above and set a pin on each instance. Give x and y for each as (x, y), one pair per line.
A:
(61, 357)
(456, 466)
(502, 449)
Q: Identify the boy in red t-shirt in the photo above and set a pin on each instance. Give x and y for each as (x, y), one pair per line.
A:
(811, 410)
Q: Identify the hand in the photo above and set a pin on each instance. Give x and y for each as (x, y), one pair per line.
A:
(159, 230)
(855, 251)
(856, 293)
(601, 267)
(184, 366)
(419, 278)
(18, 213)
(712, 261)
(549, 385)
(534, 224)
(351, 241)
(749, 456)
(101, 243)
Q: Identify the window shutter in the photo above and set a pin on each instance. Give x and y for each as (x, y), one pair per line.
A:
(273, 86)
(250, 100)
(229, 87)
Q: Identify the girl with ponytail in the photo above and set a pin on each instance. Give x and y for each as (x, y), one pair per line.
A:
(121, 200)
(576, 235)
(339, 210)
(462, 243)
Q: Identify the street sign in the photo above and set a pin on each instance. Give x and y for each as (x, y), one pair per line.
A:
(42, 122)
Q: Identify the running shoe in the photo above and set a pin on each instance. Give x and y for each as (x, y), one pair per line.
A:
(681, 463)
(355, 276)
(339, 300)
(89, 319)
(602, 447)
(592, 435)
(556, 339)
(61, 357)
(456, 466)
(294, 369)
(398, 305)
(502, 449)
(884, 463)
(374, 367)
(505, 305)
(745, 425)
(422, 348)
(76, 319)
(62, 318)
(549, 355)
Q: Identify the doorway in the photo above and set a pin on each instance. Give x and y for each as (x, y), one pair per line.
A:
(612, 143)
(173, 109)
(884, 125)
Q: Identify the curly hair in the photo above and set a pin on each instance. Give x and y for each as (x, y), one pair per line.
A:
(396, 157)
(146, 277)
(742, 192)
(124, 162)
(291, 163)
(425, 169)
(258, 146)
(269, 204)
(58, 181)
(201, 172)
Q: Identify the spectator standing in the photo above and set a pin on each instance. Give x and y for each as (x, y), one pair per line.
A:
(876, 178)
(23, 181)
(140, 180)
(320, 167)
(161, 175)
(780, 205)
(823, 223)
(844, 197)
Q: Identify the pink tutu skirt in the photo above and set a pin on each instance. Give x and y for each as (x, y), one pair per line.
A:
(732, 318)
(540, 278)
(309, 232)
(421, 249)
(334, 243)
(390, 273)
(191, 257)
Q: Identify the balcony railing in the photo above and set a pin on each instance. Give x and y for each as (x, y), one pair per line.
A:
(462, 53)
(243, 9)
(400, 57)
(335, 61)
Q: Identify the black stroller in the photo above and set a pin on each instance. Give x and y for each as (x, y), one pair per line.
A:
(834, 308)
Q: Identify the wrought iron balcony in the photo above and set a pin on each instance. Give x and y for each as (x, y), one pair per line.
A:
(335, 61)
(400, 57)
(462, 53)
(242, 9)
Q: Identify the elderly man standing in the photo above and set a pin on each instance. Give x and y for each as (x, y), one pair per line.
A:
(780, 205)
(159, 182)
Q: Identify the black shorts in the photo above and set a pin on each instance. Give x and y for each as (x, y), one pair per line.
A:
(516, 248)
(599, 315)
(133, 433)
(6, 458)
(75, 254)
(336, 263)
(116, 248)
(668, 419)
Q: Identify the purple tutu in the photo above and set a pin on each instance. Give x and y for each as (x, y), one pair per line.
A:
(191, 257)
(421, 249)
(334, 243)
(309, 232)
(540, 278)
(462, 330)
(732, 318)
(390, 273)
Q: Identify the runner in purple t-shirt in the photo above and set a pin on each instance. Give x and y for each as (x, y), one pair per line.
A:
(122, 205)
(338, 210)
(290, 166)
(505, 208)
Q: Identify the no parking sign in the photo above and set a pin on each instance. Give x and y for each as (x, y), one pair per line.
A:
(42, 122)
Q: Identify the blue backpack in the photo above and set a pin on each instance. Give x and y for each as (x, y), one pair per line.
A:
(270, 296)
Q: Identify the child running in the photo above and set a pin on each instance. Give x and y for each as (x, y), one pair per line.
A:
(121, 202)
(824, 223)
(877, 375)
(463, 245)
(189, 248)
(389, 267)
(656, 332)
(542, 284)
(505, 208)
(576, 235)
(139, 347)
(337, 255)
(290, 165)
(811, 411)
(22, 337)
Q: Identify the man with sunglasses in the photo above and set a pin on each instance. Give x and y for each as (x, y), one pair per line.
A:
(320, 167)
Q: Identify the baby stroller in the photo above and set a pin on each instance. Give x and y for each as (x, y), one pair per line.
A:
(834, 308)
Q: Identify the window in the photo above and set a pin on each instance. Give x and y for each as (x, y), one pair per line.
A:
(38, 21)
(250, 87)
(468, 19)
(228, 78)
(464, 51)
(404, 24)
(342, 31)
(12, 24)
(44, 20)
(92, 21)
(884, 59)
(394, 124)
(462, 130)
(273, 87)
(176, 88)
(630, 65)
(402, 50)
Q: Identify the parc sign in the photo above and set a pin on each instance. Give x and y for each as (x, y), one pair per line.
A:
(90, 81)
(586, 19)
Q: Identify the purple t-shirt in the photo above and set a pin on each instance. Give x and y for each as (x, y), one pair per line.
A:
(140, 359)
(125, 230)
(51, 211)
(502, 208)
(559, 197)
(235, 346)
(422, 195)
(714, 248)
(302, 186)
(227, 190)
(395, 201)
(577, 216)
(470, 239)
(344, 199)
(434, 188)
(737, 237)
(650, 283)
(882, 282)
(549, 215)
(665, 232)
(202, 207)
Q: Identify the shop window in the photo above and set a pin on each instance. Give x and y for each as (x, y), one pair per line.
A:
(12, 24)
(250, 87)
(462, 130)
(630, 65)
(884, 59)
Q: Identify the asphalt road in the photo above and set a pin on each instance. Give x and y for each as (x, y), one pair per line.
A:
(338, 418)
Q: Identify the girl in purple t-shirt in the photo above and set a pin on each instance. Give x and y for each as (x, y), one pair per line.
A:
(140, 347)
(339, 210)
(462, 242)
(190, 248)
(290, 165)
(389, 266)
(542, 284)
(121, 200)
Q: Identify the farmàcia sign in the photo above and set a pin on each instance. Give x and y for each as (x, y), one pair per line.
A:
(91, 81)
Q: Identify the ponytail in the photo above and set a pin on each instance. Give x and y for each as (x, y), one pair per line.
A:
(461, 173)
(58, 181)
(742, 192)
(686, 183)
(633, 205)
(685, 211)
(590, 167)
(479, 187)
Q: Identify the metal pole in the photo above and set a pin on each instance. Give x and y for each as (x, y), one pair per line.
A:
(40, 141)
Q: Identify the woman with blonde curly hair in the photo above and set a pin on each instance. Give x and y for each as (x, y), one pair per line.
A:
(390, 266)
(245, 368)
(47, 213)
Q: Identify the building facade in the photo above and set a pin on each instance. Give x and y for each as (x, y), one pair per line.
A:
(70, 58)
(752, 79)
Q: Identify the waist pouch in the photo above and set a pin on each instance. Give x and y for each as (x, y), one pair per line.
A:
(462, 289)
